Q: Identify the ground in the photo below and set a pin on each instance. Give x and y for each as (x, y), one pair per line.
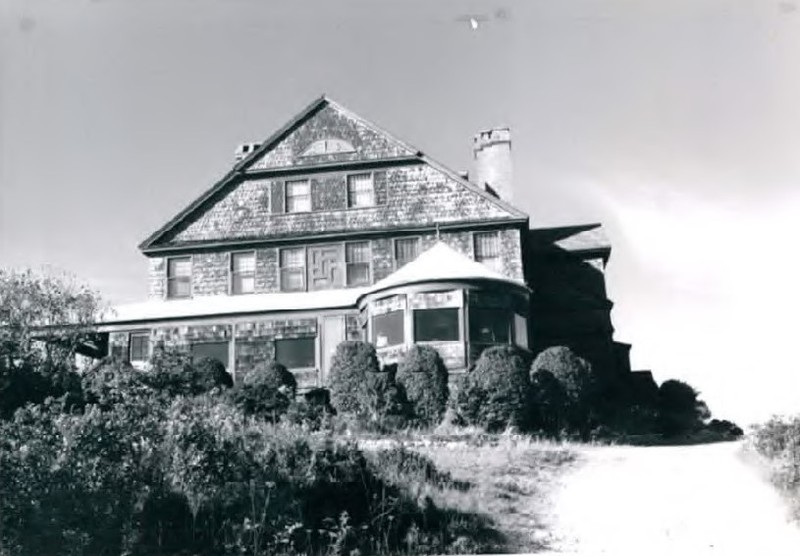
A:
(702, 499)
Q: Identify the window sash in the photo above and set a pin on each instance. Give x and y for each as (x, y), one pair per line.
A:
(405, 251)
(388, 329)
(298, 196)
(139, 347)
(292, 269)
(437, 325)
(489, 326)
(357, 256)
(360, 190)
(211, 350)
(179, 277)
(243, 273)
(296, 353)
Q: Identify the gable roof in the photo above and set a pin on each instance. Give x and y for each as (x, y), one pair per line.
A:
(441, 263)
(244, 168)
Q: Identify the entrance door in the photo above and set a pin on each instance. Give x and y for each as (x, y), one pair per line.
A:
(332, 334)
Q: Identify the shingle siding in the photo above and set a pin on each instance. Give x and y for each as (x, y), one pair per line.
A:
(405, 196)
(330, 122)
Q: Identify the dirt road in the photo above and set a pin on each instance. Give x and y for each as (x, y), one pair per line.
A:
(685, 500)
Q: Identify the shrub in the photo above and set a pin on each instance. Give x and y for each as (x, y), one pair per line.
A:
(548, 403)
(574, 400)
(385, 401)
(725, 427)
(207, 374)
(266, 390)
(352, 364)
(495, 392)
(423, 376)
(679, 410)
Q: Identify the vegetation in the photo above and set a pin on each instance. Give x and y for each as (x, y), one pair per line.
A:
(423, 376)
(495, 392)
(267, 391)
(778, 442)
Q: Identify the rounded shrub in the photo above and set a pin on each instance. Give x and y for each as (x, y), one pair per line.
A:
(423, 376)
(679, 409)
(351, 366)
(266, 390)
(495, 392)
(578, 387)
(207, 374)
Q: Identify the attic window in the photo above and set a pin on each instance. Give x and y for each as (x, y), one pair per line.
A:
(328, 146)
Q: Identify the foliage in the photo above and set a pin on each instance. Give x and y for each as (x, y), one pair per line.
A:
(423, 376)
(266, 390)
(495, 392)
(778, 440)
(351, 364)
(679, 409)
(576, 397)
(549, 403)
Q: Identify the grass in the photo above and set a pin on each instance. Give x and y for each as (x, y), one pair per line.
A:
(775, 448)
(508, 479)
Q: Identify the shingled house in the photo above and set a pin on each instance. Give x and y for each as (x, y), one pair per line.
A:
(333, 229)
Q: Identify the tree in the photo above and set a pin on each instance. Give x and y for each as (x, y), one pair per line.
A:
(679, 408)
(44, 321)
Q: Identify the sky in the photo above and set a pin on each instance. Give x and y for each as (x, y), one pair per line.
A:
(675, 124)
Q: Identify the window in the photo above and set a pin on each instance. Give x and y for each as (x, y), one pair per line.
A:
(487, 250)
(357, 257)
(243, 272)
(520, 330)
(405, 250)
(139, 347)
(298, 196)
(296, 353)
(293, 269)
(488, 326)
(436, 325)
(211, 350)
(179, 277)
(360, 191)
(387, 329)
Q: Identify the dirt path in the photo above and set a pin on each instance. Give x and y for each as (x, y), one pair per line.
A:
(685, 500)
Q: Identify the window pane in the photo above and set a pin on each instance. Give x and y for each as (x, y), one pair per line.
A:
(520, 330)
(211, 350)
(243, 283)
(139, 347)
(387, 329)
(179, 287)
(360, 190)
(405, 250)
(357, 252)
(293, 280)
(298, 197)
(293, 257)
(179, 267)
(243, 262)
(357, 274)
(431, 325)
(296, 353)
(487, 246)
(488, 326)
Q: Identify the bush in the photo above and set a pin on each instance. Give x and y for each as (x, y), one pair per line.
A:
(423, 376)
(267, 390)
(207, 374)
(549, 403)
(495, 392)
(575, 400)
(351, 365)
(679, 409)
(385, 401)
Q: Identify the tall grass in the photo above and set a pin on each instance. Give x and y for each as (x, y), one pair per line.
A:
(778, 442)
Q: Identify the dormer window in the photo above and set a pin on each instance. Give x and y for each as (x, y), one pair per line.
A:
(360, 190)
(298, 196)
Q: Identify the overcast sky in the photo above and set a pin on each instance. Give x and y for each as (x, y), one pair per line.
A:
(676, 124)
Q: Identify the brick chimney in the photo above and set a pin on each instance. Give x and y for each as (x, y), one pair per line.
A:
(491, 151)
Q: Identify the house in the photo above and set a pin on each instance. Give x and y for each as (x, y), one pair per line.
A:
(332, 229)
